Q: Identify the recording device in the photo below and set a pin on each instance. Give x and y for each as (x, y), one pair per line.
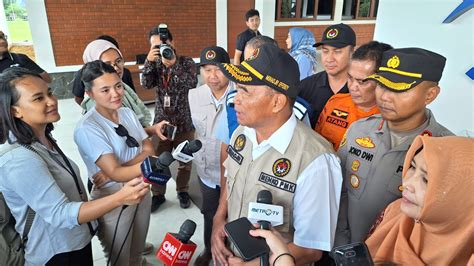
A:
(156, 170)
(165, 49)
(264, 212)
(352, 254)
(170, 131)
(249, 247)
(178, 249)
(184, 151)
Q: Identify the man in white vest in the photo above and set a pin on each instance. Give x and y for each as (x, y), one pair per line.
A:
(272, 150)
(207, 104)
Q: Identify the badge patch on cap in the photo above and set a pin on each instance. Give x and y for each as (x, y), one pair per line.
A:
(281, 167)
(355, 165)
(365, 142)
(393, 62)
(332, 33)
(239, 143)
(253, 55)
(210, 55)
(355, 182)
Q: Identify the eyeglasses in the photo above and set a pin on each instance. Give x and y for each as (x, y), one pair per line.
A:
(118, 63)
(123, 132)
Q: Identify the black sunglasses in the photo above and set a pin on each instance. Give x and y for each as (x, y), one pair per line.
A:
(123, 132)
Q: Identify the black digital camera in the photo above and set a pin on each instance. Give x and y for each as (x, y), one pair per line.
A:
(165, 49)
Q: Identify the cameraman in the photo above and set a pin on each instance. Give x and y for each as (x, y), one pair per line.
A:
(172, 76)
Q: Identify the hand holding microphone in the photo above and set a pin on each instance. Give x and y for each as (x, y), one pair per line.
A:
(177, 249)
(133, 192)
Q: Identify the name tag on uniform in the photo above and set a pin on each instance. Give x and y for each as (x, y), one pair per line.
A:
(235, 155)
(277, 182)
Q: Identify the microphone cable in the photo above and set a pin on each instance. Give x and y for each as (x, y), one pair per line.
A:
(126, 236)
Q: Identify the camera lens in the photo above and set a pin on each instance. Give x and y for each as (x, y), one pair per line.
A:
(166, 52)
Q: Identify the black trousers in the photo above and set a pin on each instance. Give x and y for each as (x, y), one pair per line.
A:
(210, 202)
(82, 257)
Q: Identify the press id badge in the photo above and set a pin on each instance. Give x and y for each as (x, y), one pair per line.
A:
(167, 101)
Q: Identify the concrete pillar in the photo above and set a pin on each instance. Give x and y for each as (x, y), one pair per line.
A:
(267, 16)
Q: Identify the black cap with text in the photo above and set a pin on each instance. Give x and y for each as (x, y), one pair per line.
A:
(339, 36)
(270, 66)
(405, 68)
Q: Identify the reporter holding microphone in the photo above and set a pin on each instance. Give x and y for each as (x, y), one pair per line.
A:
(113, 144)
(37, 176)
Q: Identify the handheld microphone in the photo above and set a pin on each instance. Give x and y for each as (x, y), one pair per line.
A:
(184, 151)
(177, 249)
(264, 212)
(156, 170)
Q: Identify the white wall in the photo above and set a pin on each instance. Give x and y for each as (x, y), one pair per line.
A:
(408, 23)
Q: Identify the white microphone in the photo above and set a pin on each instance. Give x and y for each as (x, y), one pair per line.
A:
(270, 213)
(184, 151)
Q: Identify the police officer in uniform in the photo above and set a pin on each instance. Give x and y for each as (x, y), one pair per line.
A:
(272, 150)
(374, 148)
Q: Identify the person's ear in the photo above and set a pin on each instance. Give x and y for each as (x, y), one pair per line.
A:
(16, 112)
(431, 94)
(279, 103)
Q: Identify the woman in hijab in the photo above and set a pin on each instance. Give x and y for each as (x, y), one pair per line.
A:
(108, 53)
(300, 42)
(433, 223)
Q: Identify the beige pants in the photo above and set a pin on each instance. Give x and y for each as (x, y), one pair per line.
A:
(134, 243)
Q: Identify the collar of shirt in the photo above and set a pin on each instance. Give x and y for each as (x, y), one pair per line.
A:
(217, 102)
(383, 127)
(279, 140)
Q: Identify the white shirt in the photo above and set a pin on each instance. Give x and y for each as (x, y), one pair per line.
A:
(316, 200)
(95, 136)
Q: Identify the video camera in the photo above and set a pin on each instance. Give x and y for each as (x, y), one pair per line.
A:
(165, 49)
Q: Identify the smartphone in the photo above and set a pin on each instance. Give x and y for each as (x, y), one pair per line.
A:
(352, 254)
(248, 246)
(169, 131)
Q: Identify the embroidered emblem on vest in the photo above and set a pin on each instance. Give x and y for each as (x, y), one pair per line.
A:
(355, 166)
(235, 155)
(355, 182)
(344, 140)
(365, 142)
(239, 143)
(339, 113)
(277, 182)
(281, 167)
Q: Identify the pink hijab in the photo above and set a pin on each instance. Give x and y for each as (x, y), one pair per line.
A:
(444, 234)
(96, 48)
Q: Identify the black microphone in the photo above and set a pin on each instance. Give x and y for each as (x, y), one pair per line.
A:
(156, 170)
(177, 249)
(184, 151)
(186, 231)
(265, 197)
(192, 147)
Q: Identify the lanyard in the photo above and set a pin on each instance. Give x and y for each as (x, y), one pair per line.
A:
(166, 81)
(70, 171)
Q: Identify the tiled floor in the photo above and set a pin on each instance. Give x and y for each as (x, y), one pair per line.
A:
(167, 219)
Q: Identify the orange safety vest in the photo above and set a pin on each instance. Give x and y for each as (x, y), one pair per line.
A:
(338, 114)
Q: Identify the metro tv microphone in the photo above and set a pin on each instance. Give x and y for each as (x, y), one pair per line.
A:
(156, 170)
(184, 151)
(264, 212)
(177, 249)
(272, 212)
